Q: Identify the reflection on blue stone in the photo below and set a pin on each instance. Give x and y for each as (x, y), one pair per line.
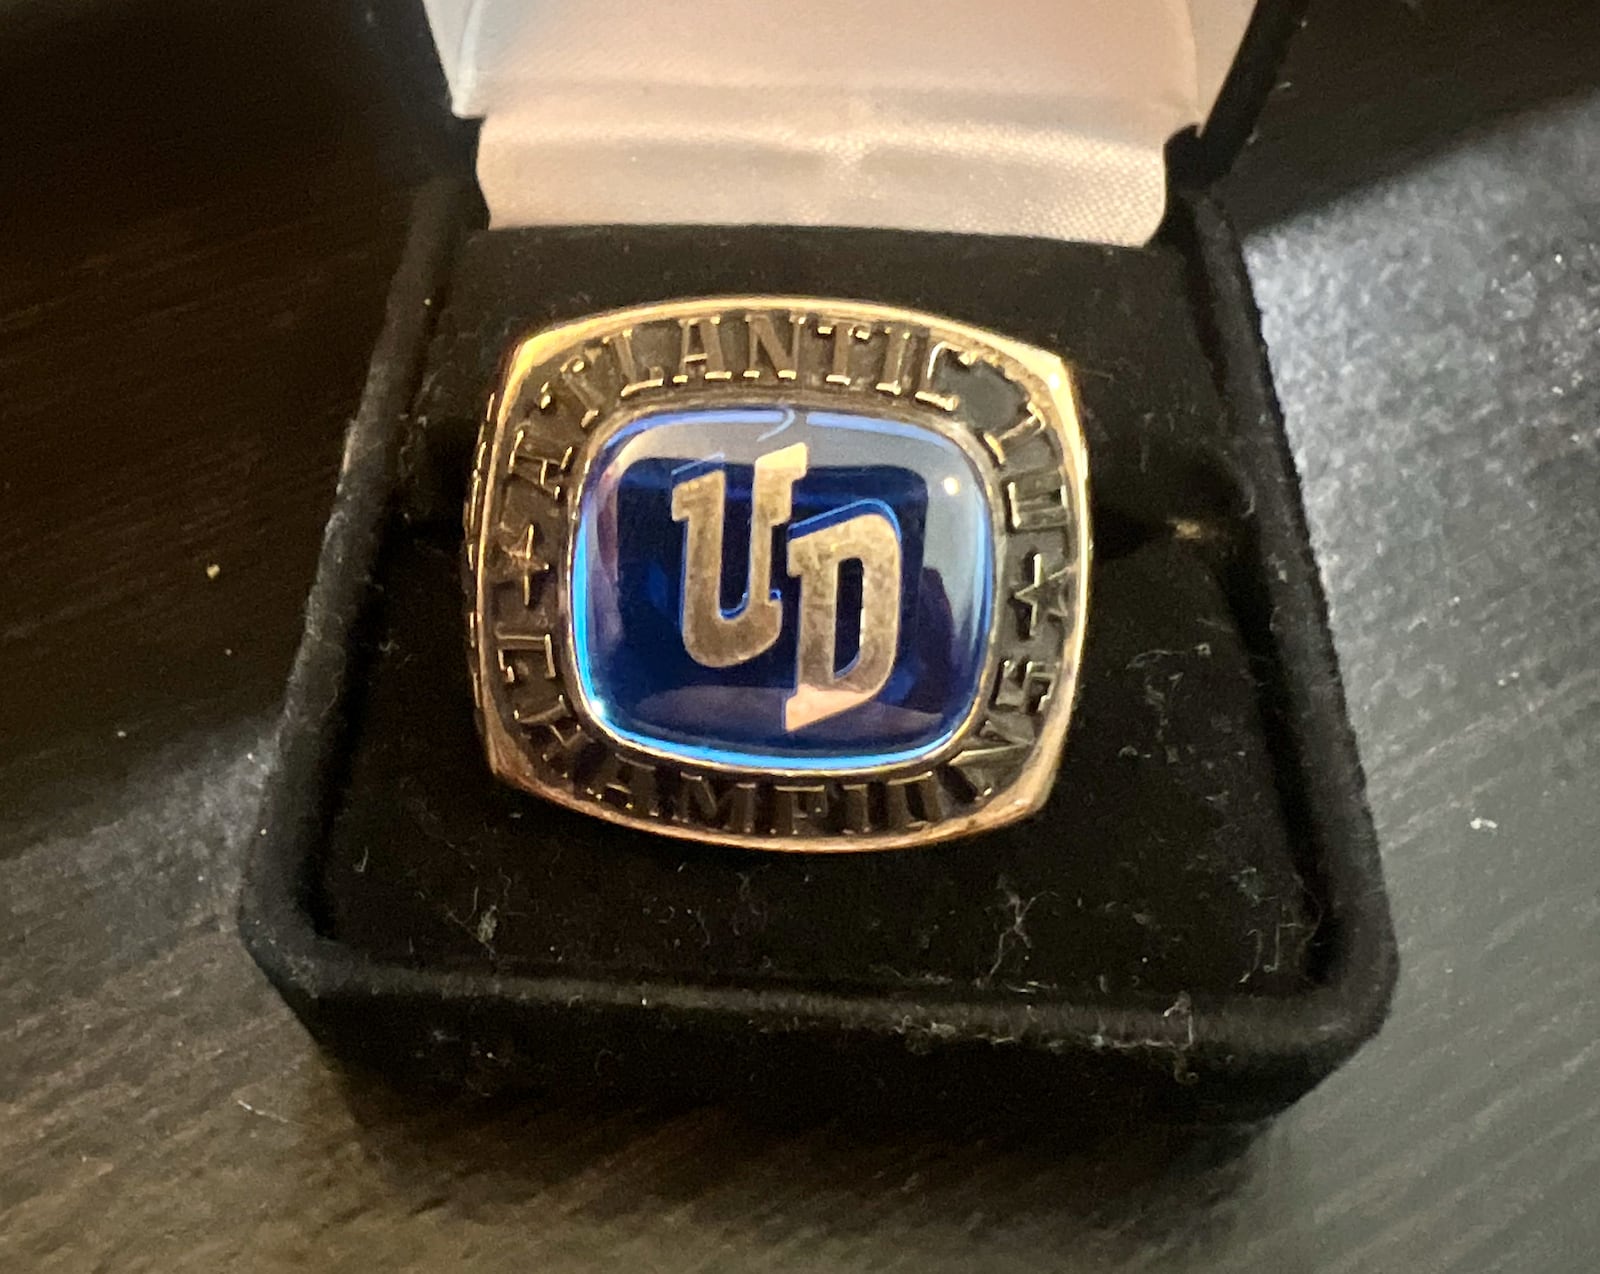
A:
(867, 487)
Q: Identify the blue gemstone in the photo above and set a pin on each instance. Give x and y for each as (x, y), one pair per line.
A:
(887, 524)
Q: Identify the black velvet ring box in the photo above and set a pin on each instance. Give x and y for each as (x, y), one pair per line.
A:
(1195, 925)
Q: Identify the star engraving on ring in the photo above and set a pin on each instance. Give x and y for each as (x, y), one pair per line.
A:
(1042, 592)
(527, 567)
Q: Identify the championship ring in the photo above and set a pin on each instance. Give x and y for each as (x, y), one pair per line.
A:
(779, 572)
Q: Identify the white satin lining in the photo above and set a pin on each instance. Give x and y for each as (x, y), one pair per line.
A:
(1013, 117)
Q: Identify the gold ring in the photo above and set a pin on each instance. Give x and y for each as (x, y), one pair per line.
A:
(786, 573)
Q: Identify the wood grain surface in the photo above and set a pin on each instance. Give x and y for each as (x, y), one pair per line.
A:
(201, 206)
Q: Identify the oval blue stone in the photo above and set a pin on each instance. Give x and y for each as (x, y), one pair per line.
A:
(635, 671)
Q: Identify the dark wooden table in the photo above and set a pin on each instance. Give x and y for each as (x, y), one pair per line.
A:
(201, 206)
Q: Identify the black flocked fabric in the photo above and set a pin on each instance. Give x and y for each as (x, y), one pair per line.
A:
(1166, 863)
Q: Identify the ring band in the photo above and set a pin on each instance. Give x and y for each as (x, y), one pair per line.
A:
(785, 573)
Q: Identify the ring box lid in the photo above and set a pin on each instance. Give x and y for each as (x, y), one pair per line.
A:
(1045, 118)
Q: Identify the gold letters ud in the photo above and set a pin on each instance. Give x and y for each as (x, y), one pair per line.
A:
(719, 639)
